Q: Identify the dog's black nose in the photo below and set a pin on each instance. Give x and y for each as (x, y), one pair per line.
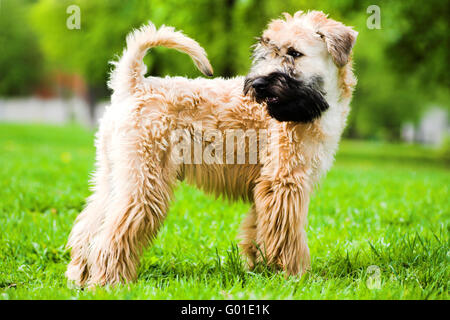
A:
(260, 84)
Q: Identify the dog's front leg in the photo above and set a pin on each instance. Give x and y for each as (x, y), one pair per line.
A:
(281, 208)
(248, 237)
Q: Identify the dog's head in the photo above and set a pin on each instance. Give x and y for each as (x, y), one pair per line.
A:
(296, 65)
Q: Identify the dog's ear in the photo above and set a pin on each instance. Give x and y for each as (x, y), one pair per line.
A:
(339, 38)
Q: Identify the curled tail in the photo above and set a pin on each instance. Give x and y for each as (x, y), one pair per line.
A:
(129, 71)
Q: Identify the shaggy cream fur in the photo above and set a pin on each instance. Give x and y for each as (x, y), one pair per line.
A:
(136, 170)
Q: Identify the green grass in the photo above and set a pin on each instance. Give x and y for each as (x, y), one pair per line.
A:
(381, 204)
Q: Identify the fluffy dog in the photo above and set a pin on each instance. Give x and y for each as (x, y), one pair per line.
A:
(298, 92)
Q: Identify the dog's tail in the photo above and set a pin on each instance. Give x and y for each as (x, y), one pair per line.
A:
(129, 71)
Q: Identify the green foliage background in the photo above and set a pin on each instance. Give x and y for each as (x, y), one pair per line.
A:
(402, 67)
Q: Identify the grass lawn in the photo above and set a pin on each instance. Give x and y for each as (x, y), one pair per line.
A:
(381, 205)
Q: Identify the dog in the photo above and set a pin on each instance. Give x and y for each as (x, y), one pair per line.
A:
(297, 91)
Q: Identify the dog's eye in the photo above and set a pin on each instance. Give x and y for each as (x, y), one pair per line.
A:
(263, 40)
(294, 53)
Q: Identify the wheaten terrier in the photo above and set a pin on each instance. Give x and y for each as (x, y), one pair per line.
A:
(293, 104)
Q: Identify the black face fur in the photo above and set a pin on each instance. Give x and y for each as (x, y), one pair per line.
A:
(287, 98)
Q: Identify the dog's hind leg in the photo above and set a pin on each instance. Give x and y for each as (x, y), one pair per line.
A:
(89, 221)
(86, 226)
(142, 179)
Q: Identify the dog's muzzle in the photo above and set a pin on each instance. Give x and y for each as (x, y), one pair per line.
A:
(287, 98)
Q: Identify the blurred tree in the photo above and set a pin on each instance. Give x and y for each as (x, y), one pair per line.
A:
(104, 25)
(421, 48)
(382, 101)
(401, 67)
(87, 50)
(20, 58)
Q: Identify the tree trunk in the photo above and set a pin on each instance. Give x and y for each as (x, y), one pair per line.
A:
(229, 70)
(92, 99)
